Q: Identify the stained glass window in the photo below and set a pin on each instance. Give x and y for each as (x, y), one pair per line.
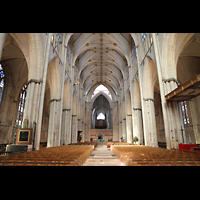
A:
(59, 36)
(101, 116)
(133, 51)
(143, 36)
(2, 76)
(103, 89)
(21, 105)
(185, 112)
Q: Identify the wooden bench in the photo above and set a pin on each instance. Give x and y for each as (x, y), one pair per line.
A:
(139, 155)
(85, 143)
(68, 155)
(117, 143)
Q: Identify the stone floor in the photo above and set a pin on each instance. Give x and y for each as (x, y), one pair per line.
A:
(102, 156)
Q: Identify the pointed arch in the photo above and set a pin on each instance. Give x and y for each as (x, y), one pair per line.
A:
(101, 116)
(54, 78)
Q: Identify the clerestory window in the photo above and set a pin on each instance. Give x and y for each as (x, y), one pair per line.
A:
(21, 104)
(103, 89)
(185, 112)
(143, 36)
(2, 77)
(101, 116)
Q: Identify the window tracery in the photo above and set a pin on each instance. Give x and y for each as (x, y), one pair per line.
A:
(2, 77)
(143, 36)
(21, 104)
(69, 51)
(133, 51)
(101, 116)
(59, 36)
(185, 112)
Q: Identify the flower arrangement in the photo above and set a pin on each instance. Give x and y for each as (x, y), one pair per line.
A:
(135, 139)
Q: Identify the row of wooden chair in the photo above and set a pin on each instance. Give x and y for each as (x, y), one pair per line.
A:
(68, 155)
(86, 143)
(139, 155)
(117, 143)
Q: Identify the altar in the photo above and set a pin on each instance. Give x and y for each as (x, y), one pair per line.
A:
(106, 135)
(102, 140)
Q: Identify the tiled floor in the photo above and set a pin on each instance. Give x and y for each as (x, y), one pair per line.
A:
(103, 156)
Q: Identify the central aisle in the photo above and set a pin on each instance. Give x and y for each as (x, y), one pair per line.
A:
(102, 156)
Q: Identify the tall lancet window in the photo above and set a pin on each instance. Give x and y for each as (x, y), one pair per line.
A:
(21, 104)
(2, 76)
(185, 112)
(103, 89)
(101, 116)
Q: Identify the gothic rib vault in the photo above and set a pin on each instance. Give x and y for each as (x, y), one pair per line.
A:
(101, 58)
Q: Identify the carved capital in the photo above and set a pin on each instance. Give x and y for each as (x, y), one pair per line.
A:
(58, 100)
(34, 81)
(148, 99)
(169, 80)
(66, 109)
(137, 109)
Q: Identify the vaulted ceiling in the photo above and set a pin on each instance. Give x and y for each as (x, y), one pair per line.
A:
(101, 58)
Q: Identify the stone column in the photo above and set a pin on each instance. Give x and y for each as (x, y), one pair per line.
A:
(53, 130)
(83, 119)
(111, 119)
(74, 128)
(195, 117)
(171, 120)
(115, 122)
(66, 126)
(150, 123)
(124, 128)
(32, 104)
(42, 94)
(120, 131)
(137, 125)
(88, 117)
(2, 41)
(129, 128)
(83, 132)
(35, 104)
(8, 112)
(174, 120)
